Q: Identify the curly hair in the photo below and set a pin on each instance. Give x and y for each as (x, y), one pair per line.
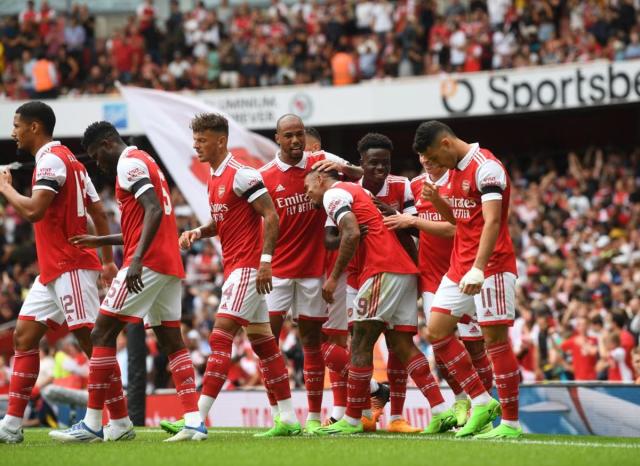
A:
(210, 122)
(374, 141)
(98, 131)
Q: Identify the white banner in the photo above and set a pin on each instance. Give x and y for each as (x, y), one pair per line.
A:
(165, 119)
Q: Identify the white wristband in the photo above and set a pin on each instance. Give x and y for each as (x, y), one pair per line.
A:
(266, 258)
(198, 232)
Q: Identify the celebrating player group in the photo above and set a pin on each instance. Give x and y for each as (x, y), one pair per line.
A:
(347, 251)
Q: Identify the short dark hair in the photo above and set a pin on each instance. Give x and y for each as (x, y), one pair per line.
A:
(427, 133)
(40, 112)
(374, 141)
(210, 122)
(333, 174)
(619, 318)
(98, 131)
(314, 133)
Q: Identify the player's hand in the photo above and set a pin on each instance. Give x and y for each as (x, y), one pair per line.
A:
(86, 241)
(263, 279)
(328, 289)
(327, 165)
(5, 178)
(133, 279)
(385, 209)
(472, 281)
(187, 238)
(364, 230)
(429, 192)
(109, 272)
(399, 221)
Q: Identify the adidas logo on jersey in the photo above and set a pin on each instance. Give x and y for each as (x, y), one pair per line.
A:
(488, 313)
(280, 188)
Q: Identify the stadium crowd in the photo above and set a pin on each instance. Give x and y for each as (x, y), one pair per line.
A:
(575, 227)
(44, 53)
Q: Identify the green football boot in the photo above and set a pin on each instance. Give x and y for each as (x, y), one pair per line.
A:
(172, 427)
(480, 416)
(500, 432)
(342, 427)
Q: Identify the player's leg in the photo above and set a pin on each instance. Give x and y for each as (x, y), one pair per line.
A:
(496, 306)
(81, 285)
(335, 354)
(478, 352)
(26, 366)
(364, 337)
(311, 312)
(449, 306)
(278, 304)
(276, 376)
(397, 376)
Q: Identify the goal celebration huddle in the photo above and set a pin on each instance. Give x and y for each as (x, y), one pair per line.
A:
(346, 251)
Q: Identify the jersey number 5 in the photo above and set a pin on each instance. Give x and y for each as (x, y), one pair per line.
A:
(166, 200)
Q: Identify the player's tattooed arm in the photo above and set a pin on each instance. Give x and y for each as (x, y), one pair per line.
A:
(263, 205)
(411, 223)
(349, 242)
(31, 208)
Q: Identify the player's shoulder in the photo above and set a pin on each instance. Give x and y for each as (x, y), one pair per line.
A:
(397, 179)
(268, 167)
(418, 180)
(484, 157)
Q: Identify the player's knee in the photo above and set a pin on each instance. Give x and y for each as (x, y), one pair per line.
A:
(494, 335)
(255, 331)
(23, 341)
(434, 334)
(101, 336)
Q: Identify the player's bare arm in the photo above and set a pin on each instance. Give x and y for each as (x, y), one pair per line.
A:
(405, 221)
(92, 241)
(99, 219)
(31, 208)
(153, 213)
(491, 212)
(263, 205)
(385, 209)
(352, 172)
(332, 236)
(349, 241)
(430, 193)
(187, 238)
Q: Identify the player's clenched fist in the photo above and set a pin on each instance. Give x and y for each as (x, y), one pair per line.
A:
(472, 281)
(328, 289)
(429, 192)
(187, 238)
(263, 278)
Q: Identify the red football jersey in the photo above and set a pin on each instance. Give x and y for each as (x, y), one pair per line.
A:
(58, 170)
(300, 251)
(434, 252)
(163, 256)
(479, 177)
(379, 251)
(396, 193)
(232, 188)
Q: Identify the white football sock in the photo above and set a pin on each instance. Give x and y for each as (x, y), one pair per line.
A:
(338, 412)
(482, 399)
(123, 422)
(12, 422)
(313, 417)
(351, 420)
(439, 408)
(287, 413)
(275, 412)
(93, 419)
(367, 413)
(461, 396)
(395, 417)
(514, 424)
(204, 406)
(193, 419)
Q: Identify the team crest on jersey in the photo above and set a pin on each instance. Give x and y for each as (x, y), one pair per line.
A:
(220, 190)
(466, 186)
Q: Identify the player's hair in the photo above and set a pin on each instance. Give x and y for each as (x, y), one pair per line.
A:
(287, 115)
(314, 133)
(374, 141)
(99, 131)
(427, 133)
(40, 112)
(619, 318)
(333, 174)
(210, 122)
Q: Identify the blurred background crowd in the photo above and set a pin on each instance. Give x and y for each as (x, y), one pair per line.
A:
(44, 53)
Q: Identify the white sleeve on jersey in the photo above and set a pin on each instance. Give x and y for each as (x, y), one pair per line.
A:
(337, 202)
(91, 189)
(51, 173)
(335, 158)
(408, 203)
(329, 223)
(130, 171)
(248, 184)
(491, 180)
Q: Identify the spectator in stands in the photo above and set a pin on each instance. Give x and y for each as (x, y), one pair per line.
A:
(44, 77)
(583, 350)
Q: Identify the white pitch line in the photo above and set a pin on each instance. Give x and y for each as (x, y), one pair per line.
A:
(524, 441)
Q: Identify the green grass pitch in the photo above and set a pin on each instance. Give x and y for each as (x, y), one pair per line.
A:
(238, 447)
